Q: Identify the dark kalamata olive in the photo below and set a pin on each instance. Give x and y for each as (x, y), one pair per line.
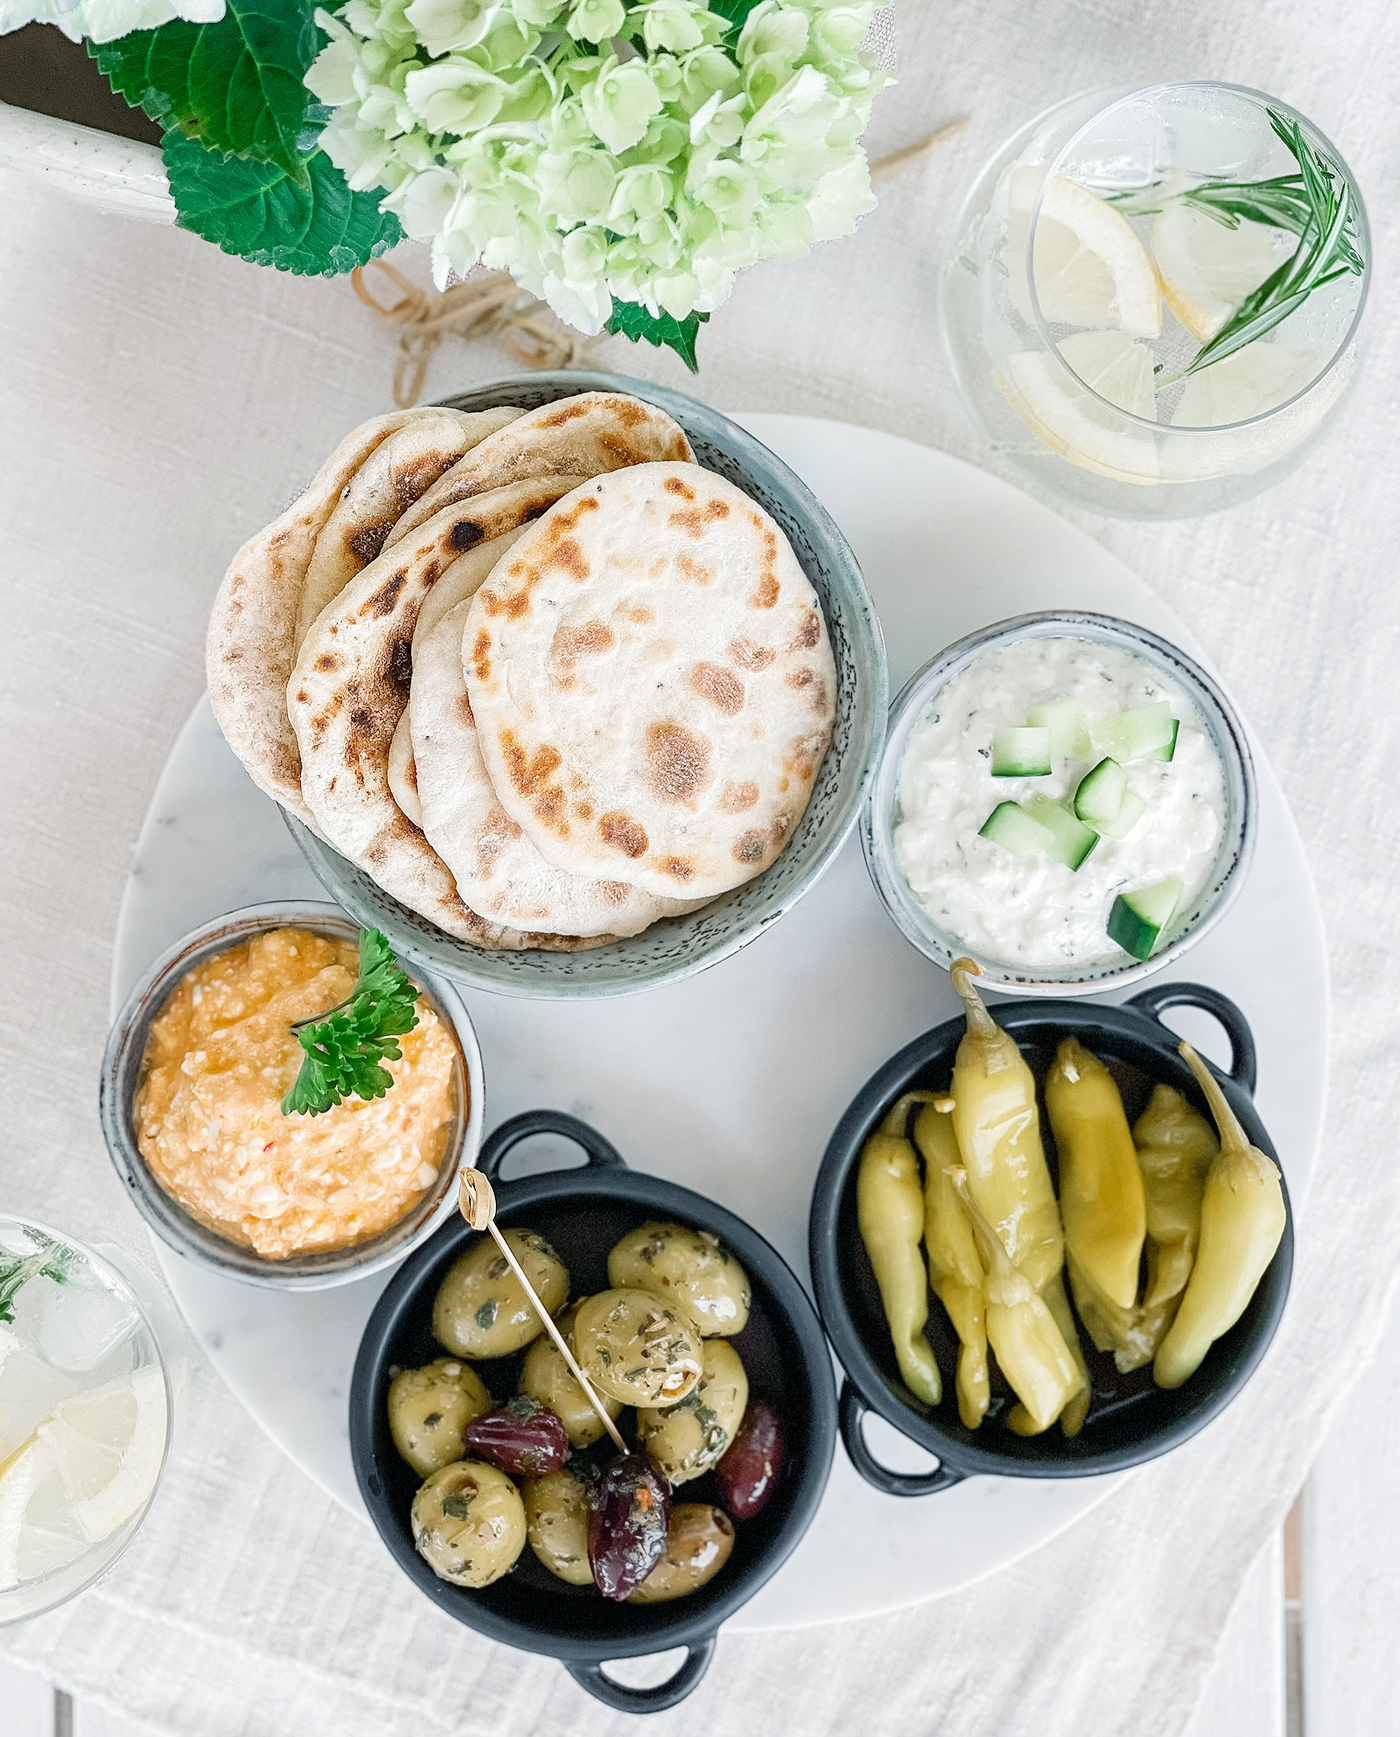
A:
(629, 1510)
(748, 1473)
(523, 1437)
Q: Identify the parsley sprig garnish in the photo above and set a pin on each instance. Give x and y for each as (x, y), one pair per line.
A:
(52, 1259)
(346, 1045)
(1317, 205)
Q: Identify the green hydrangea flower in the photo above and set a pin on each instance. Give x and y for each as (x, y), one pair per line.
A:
(597, 149)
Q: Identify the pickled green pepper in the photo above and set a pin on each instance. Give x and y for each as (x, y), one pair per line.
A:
(890, 1212)
(1242, 1220)
(997, 1125)
(954, 1266)
(1175, 1148)
(1132, 1335)
(1101, 1191)
(1029, 1347)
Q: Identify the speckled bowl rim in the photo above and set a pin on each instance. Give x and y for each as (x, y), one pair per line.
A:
(1233, 858)
(706, 936)
(121, 1063)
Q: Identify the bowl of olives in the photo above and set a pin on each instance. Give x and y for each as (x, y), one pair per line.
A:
(496, 1483)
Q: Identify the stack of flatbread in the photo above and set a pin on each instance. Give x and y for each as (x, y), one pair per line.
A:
(541, 675)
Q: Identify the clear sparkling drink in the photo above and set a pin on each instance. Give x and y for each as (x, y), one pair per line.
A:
(1153, 297)
(85, 1413)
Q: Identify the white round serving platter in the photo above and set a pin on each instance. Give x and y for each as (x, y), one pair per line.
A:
(731, 1082)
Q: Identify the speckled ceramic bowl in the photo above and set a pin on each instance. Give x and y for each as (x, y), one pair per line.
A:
(680, 946)
(121, 1074)
(1234, 850)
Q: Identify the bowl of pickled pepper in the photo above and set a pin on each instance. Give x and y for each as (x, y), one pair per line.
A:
(1055, 1243)
(582, 1213)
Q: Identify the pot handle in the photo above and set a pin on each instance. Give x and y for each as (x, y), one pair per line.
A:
(853, 1410)
(1243, 1069)
(654, 1700)
(601, 1153)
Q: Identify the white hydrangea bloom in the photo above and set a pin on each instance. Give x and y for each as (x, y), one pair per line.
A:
(105, 20)
(601, 149)
(443, 25)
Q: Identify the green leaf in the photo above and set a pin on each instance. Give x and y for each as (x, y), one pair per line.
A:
(235, 85)
(631, 320)
(346, 1045)
(257, 211)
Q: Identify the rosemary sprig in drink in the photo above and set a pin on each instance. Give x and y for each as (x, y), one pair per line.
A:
(1317, 205)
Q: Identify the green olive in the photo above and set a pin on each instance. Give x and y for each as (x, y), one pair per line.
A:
(688, 1438)
(637, 1349)
(481, 1309)
(469, 1523)
(687, 1267)
(698, 1541)
(547, 1377)
(428, 1410)
(556, 1512)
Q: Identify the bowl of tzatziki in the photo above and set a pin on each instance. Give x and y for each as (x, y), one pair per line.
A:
(1066, 797)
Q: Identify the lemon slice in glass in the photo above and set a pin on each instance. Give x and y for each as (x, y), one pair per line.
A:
(1206, 268)
(1091, 267)
(19, 1474)
(1071, 420)
(1254, 380)
(108, 1445)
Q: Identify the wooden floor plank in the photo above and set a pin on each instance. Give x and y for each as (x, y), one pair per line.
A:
(1244, 1692)
(1350, 1546)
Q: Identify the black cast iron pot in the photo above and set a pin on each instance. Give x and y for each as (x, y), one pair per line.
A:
(583, 1212)
(1130, 1419)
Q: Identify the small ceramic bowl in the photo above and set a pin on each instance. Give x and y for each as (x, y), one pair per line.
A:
(583, 1212)
(679, 946)
(1130, 1418)
(121, 1073)
(1233, 853)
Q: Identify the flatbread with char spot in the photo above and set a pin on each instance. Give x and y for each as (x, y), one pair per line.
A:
(399, 471)
(252, 639)
(586, 435)
(349, 689)
(652, 682)
(498, 872)
(459, 583)
(402, 772)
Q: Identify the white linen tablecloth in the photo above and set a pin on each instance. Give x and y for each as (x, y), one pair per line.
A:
(160, 401)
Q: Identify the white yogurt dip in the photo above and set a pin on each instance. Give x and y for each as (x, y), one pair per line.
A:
(1035, 913)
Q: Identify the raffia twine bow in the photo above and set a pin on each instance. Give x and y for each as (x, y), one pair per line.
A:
(489, 306)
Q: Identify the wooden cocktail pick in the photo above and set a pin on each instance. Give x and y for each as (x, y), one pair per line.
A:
(476, 1200)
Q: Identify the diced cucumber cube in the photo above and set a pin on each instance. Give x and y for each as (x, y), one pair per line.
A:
(1134, 734)
(1011, 827)
(1018, 753)
(1100, 794)
(1128, 816)
(1072, 839)
(1167, 751)
(1068, 727)
(1137, 919)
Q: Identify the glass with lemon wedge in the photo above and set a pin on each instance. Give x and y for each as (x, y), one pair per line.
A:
(90, 1359)
(1153, 297)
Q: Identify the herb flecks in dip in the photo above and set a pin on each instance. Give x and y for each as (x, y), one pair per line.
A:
(220, 1056)
(1034, 912)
